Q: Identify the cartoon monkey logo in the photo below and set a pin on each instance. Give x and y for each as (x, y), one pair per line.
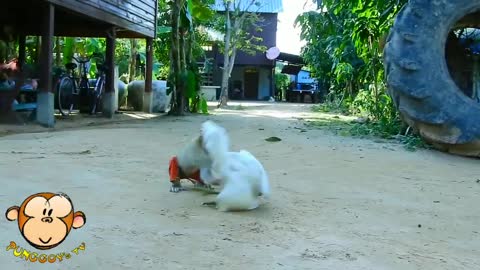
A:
(45, 219)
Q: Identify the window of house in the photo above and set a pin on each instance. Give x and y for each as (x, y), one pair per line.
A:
(206, 71)
(207, 48)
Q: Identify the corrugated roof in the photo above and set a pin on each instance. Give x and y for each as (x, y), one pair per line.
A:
(261, 6)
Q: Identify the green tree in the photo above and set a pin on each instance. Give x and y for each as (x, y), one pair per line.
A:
(237, 22)
(344, 42)
(282, 81)
(184, 76)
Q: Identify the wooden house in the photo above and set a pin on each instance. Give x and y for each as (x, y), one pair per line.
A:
(252, 75)
(78, 18)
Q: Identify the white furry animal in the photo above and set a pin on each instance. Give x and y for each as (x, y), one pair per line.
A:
(187, 163)
(216, 144)
(243, 177)
(194, 157)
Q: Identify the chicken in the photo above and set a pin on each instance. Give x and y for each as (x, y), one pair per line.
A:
(243, 177)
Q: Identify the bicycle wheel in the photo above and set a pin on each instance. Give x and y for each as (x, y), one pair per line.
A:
(96, 96)
(66, 95)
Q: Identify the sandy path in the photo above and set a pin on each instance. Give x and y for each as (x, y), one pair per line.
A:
(338, 203)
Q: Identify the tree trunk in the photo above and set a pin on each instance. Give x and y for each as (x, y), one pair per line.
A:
(183, 71)
(227, 71)
(171, 78)
(374, 78)
(231, 62)
(226, 59)
(191, 67)
(133, 60)
(224, 90)
(178, 106)
(230, 52)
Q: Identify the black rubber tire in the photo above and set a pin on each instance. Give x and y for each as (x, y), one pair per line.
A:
(65, 95)
(418, 79)
(95, 97)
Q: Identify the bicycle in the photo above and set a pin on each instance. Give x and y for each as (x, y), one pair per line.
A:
(70, 88)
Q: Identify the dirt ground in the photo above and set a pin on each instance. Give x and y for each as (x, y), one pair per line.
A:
(337, 202)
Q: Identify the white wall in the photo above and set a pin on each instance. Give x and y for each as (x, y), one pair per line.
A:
(264, 83)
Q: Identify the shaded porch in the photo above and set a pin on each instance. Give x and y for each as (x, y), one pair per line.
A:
(50, 18)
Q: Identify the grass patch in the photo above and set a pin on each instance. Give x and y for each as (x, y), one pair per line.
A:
(364, 129)
(330, 108)
(414, 142)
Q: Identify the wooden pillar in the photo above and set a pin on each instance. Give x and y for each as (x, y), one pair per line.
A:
(149, 66)
(148, 96)
(110, 97)
(110, 62)
(45, 97)
(21, 50)
(46, 56)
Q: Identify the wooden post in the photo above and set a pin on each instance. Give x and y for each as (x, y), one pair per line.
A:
(46, 56)
(45, 96)
(147, 95)
(110, 62)
(149, 66)
(109, 98)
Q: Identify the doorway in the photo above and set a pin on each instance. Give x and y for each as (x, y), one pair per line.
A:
(251, 79)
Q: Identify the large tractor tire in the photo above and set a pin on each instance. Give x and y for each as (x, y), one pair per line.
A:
(418, 78)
